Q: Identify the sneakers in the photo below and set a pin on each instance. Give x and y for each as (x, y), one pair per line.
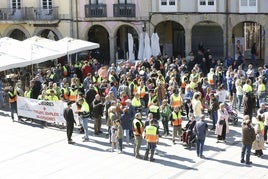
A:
(242, 161)
(86, 140)
(248, 163)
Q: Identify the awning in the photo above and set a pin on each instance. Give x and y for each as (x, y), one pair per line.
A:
(37, 50)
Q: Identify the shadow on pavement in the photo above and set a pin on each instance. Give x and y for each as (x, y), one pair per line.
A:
(88, 146)
(173, 164)
(31, 124)
(174, 157)
(237, 164)
(4, 114)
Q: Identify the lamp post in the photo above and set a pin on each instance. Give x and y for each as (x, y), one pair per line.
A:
(68, 57)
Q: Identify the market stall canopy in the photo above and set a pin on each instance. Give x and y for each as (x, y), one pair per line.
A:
(72, 45)
(31, 51)
(37, 50)
(9, 62)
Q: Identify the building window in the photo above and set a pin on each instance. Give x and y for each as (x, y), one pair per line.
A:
(172, 2)
(202, 2)
(124, 1)
(211, 2)
(252, 3)
(163, 2)
(47, 4)
(16, 4)
(248, 6)
(207, 5)
(244, 2)
(96, 2)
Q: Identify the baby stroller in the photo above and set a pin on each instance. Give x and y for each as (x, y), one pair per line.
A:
(188, 136)
(233, 114)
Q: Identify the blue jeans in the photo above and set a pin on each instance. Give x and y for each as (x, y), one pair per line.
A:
(239, 103)
(199, 146)
(214, 117)
(126, 132)
(84, 122)
(246, 149)
(1, 100)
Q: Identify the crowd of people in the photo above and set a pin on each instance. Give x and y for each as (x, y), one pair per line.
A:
(160, 89)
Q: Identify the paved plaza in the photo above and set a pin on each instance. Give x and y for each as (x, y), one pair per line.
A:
(30, 150)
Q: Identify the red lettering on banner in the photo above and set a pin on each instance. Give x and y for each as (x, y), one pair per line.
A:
(45, 118)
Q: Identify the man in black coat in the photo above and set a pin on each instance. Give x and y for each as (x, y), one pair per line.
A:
(90, 95)
(97, 112)
(69, 117)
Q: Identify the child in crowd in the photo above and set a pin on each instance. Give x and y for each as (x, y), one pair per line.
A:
(119, 136)
(113, 135)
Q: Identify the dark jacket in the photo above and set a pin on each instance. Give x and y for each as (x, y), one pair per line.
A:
(69, 116)
(213, 104)
(248, 135)
(97, 108)
(126, 121)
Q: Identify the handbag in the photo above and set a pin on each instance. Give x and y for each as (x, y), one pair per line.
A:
(222, 122)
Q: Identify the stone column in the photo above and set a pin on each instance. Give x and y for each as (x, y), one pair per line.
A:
(265, 45)
(112, 41)
(188, 41)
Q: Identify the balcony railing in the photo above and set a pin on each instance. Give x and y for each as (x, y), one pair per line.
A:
(95, 10)
(46, 13)
(28, 13)
(124, 10)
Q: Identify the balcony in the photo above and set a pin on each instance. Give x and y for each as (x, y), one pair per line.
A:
(28, 13)
(124, 10)
(45, 13)
(95, 10)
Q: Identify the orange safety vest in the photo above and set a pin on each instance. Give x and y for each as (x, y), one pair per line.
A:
(13, 94)
(142, 91)
(176, 101)
(176, 118)
(210, 78)
(73, 95)
(66, 93)
(151, 135)
(135, 131)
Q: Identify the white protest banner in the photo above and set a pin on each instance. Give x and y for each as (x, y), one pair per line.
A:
(49, 111)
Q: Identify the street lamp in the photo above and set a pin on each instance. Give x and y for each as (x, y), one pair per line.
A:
(68, 57)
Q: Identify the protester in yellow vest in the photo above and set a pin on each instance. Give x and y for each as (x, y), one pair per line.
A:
(151, 136)
(175, 99)
(247, 87)
(52, 96)
(261, 91)
(12, 94)
(176, 122)
(138, 128)
(84, 113)
(136, 102)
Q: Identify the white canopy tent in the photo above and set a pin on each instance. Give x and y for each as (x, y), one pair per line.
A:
(155, 44)
(141, 46)
(9, 62)
(37, 50)
(131, 55)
